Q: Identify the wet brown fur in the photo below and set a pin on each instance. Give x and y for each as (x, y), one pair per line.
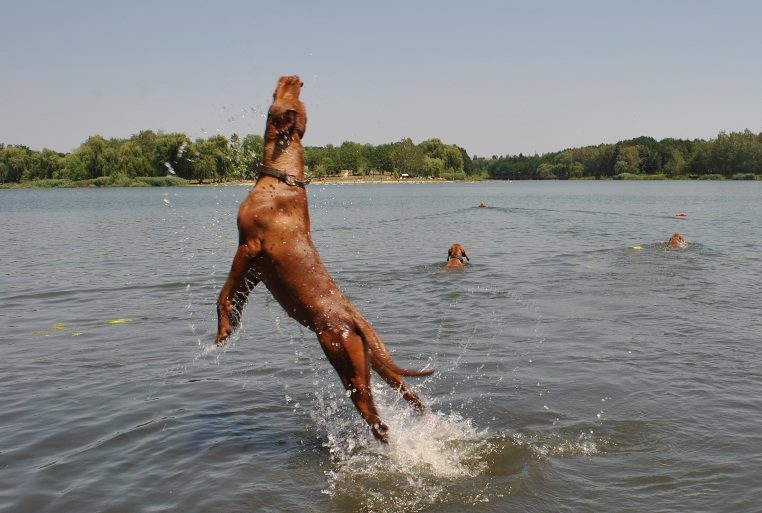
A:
(275, 247)
(676, 241)
(455, 256)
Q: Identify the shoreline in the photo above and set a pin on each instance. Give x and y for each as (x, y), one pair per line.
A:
(138, 182)
(344, 181)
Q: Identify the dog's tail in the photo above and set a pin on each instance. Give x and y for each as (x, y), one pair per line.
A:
(380, 358)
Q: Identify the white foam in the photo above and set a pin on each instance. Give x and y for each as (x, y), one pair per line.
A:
(424, 455)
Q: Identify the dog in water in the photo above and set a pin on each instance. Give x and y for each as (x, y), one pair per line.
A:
(456, 258)
(275, 247)
(676, 241)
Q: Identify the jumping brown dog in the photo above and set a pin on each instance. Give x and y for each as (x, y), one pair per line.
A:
(455, 256)
(275, 247)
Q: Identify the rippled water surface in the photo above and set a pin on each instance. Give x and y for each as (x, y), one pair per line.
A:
(581, 366)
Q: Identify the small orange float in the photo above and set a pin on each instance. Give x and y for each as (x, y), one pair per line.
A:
(681, 214)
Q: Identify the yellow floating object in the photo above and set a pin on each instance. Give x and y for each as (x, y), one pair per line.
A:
(76, 334)
(59, 326)
(118, 321)
(636, 247)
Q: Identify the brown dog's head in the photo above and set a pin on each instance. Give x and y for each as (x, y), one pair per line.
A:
(456, 256)
(676, 241)
(287, 114)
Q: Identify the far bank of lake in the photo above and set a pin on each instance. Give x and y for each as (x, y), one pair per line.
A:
(173, 181)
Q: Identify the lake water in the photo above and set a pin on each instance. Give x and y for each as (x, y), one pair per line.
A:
(574, 372)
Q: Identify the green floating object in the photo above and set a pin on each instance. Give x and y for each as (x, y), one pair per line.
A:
(59, 326)
(636, 248)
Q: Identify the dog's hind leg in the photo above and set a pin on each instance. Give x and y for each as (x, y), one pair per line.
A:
(349, 355)
(383, 364)
(396, 382)
(235, 292)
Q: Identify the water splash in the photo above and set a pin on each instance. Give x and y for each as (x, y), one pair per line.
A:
(426, 457)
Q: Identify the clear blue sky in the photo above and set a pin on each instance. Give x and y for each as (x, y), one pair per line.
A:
(495, 77)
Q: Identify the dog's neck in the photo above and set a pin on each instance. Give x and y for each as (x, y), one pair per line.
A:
(284, 152)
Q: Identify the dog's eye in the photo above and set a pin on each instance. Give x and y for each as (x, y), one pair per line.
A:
(301, 84)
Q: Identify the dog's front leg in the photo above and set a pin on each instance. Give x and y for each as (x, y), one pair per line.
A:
(235, 292)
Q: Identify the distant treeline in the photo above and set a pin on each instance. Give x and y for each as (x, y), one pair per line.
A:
(99, 161)
(736, 155)
(149, 158)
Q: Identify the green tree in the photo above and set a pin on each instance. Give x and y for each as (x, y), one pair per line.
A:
(433, 148)
(698, 163)
(628, 160)
(676, 164)
(132, 161)
(449, 155)
(468, 167)
(381, 158)
(351, 157)
(213, 160)
(545, 171)
(566, 167)
(92, 156)
(147, 140)
(253, 148)
(42, 165)
(453, 159)
(434, 166)
(237, 161)
(520, 167)
(14, 162)
(322, 161)
(74, 167)
(408, 158)
(171, 155)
